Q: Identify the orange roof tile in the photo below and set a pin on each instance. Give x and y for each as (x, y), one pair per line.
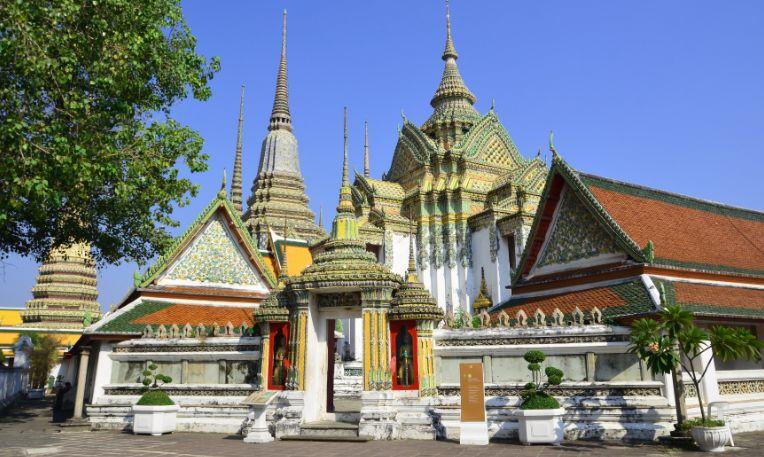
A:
(197, 314)
(685, 231)
(712, 295)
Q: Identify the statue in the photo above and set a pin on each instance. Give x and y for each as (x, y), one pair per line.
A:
(278, 377)
(346, 355)
(405, 358)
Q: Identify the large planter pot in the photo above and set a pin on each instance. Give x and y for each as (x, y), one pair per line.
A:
(711, 439)
(36, 394)
(154, 420)
(541, 426)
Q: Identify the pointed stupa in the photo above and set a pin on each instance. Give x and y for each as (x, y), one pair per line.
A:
(483, 299)
(453, 102)
(366, 170)
(279, 190)
(65, 295)
(236, 178)
(344, 260)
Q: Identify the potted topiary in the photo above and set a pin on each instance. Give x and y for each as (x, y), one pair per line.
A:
(540, 414)
(155, 413)
(675, 342)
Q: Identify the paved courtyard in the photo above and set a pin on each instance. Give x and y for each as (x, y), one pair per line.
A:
(29, 430)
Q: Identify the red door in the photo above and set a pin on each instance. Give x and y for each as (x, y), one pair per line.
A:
(403, 349)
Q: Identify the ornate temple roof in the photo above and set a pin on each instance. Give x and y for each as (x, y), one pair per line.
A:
(216, 251)
(452, 100)
(65, 293)
(278, 190)
(590, 230)
(344, 261)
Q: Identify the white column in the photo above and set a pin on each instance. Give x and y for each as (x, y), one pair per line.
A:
(82, 377)
(102, 371)
(708, 384)
(357, 341)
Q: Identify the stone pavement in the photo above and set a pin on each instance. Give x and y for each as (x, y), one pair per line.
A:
(28, 430)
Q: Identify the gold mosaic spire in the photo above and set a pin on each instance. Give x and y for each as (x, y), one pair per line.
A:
(280, 115)
(366, 171)
(453, 102)
(483, 299)
(412, 277)
(345, 204)
(236, 179)
(66, 291)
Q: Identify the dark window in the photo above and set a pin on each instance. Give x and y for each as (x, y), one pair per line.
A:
(512, 257)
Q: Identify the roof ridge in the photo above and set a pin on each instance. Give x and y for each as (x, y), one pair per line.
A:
(756, 213)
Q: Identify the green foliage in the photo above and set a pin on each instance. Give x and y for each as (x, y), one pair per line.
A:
(155, 398)
(475, 321)
(534, 357)
(539, 400)
(42, 357)
(674, 342)
(533, 394)
(89, 147)
(699, 422)
(151, 379)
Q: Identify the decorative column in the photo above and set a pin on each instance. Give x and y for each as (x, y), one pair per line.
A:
(82, 375)
(425, 362)
(297, 336)
(375, 303)
(265, 355)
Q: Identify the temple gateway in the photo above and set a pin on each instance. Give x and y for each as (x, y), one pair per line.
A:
(464, 250)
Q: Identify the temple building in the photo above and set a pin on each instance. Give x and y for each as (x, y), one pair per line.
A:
(463, 251)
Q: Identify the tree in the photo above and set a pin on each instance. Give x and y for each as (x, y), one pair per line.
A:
(88, 148)
(675, 341)
(42, 357)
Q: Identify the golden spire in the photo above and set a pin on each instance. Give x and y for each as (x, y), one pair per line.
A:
(236, 179)
(411, 278)
(280, 116)
(366, 172)
(450, 50)
(345, 205)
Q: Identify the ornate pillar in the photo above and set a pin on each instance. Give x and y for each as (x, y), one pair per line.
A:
(425, 358)
(265, 357)
(82, 377)
(297, 336)
(375, 303)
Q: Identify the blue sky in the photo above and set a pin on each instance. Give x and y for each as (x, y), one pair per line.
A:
(664, 94)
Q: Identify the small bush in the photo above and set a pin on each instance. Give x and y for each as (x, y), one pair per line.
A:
(534, 357)
(700, 422)
(155, 398)
(540, 400)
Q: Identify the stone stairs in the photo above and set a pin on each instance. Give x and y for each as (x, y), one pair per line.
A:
(328, 431)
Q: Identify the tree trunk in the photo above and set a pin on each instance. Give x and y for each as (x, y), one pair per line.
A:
(679, 397)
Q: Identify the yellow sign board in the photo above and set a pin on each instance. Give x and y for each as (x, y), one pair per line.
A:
(472, 391)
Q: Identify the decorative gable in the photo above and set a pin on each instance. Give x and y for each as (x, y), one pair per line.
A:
(575, 239)
(215, 258)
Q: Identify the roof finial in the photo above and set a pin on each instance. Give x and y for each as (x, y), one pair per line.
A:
(551, 144)
(493, 104)
(345, 205)
(280, 116)
(366, 172)
(236, 179)
(221, 192)
(345, 180)
(450, 51)
(321, 216)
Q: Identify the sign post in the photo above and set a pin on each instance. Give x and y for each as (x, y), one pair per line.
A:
(474, 429)
(257, 431)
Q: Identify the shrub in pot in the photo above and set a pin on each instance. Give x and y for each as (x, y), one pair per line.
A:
(673, 342)
(540, 414)
(155, 413)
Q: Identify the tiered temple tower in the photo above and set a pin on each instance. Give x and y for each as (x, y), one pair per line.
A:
(65, 294)
(278, 191)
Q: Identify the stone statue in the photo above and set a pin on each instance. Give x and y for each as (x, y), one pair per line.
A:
(405, 358)
(279, 355)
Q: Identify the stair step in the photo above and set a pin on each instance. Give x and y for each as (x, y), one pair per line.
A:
(357, 439)
(329, 429)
